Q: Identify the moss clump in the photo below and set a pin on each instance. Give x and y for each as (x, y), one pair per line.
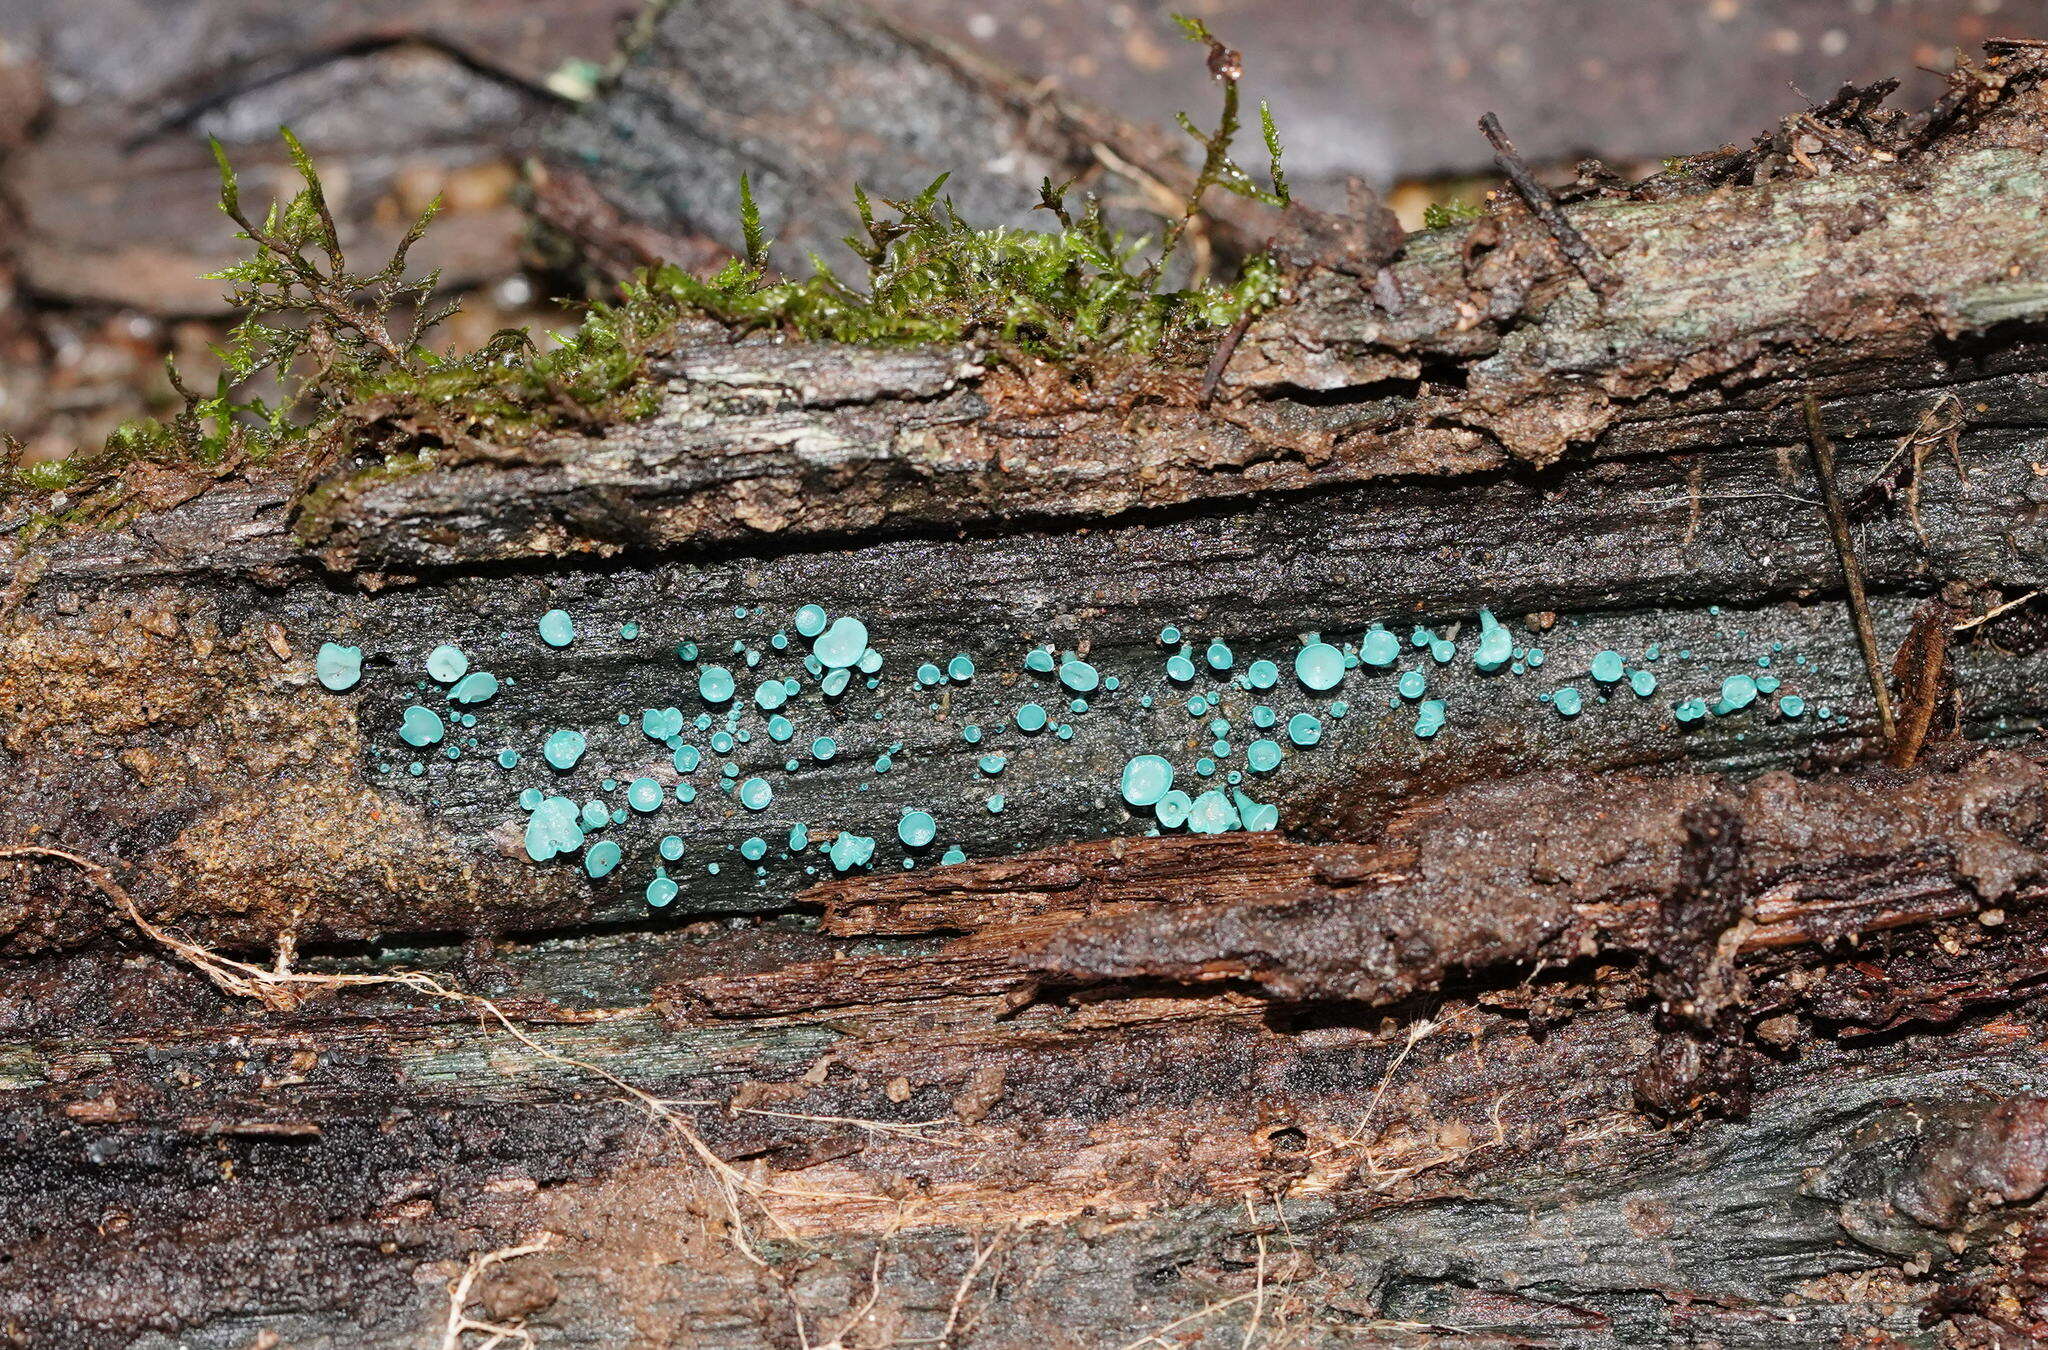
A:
(356, 384)
(354, 378)
(47, 476)
(321, 499)
(932, 277)
(1061, 294)
(1442, 215)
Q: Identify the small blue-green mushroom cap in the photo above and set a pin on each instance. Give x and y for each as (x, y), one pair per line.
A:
(1319, 666)
(421, 727)
(557, 629)
(338, 667)
(554, 828)
(714, 684)
(1212, 813)
(1379, 648)
(842, 644)
(850, 850)
(1255, 816)
(1146, 778)
(447, 663)
(601, 858)
(1737, 691)
(563, 748)
(1496, 646)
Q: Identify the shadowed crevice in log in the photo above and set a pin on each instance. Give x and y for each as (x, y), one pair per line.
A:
(136, 660)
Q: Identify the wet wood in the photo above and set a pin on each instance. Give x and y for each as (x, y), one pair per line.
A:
(1606, 1031)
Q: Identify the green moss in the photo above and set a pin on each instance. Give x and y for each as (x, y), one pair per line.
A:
(358, 382)
(1442, 215)
(1048, 295)
(321, 501)
(51, 475)
(1062, 294)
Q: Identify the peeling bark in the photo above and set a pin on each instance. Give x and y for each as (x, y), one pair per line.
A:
(1605, 1032)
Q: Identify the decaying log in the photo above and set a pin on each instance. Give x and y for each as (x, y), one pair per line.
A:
(1543, 871)
(1599, 1030)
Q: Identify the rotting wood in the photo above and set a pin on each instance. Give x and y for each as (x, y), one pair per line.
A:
(1852, 570)
(1582, 255)
(184, 601)
(1479, 370)
(1368, 1150)
(1533, 871)
(1376, 1078)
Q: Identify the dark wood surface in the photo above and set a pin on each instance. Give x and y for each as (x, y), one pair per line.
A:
(1597, 1032)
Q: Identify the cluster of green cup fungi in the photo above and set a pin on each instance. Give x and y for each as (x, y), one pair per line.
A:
(839, 652)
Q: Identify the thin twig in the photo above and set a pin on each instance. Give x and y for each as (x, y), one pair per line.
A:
(1225, 349)
(1850, 152)
(966, 1285)
(1852, 571)
(1577, 249)
(1416, 1032)
(1157, 1337)
(498, 1333)
(282, 989)
(1988, 615)
(1251, 1328)
(858, 1315)
(1932, 429)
